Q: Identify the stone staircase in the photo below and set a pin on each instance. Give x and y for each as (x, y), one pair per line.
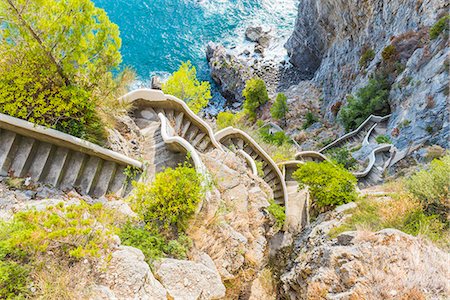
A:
(60, 160)
(358, 135)
(235, 140)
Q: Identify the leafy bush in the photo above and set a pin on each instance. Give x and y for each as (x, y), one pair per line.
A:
(152, 243)
(383, 139)
(432, 187)
(52, 76)
(343, 157)
(226, 119)
(14, 280)
(277, 211)
(278, 138)
(310, 119)
(185, 85)
(366, 58)
(389, 53)
(329, 185)
(371, 99)
(71, 232)
(255, 94)
(170, 200)
(279, 108)
(439, 27)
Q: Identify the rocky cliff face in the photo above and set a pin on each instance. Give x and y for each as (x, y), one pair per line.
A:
(388, 264)
(330, 37)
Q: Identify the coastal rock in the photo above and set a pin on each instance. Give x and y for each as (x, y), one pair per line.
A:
(185, 280)
(129, 277)
(331, 36)
(258, 35)
(228, 72)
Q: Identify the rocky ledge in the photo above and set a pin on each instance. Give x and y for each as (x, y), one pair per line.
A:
(387, 264)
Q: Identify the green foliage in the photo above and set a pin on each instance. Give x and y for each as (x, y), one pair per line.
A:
(152, 243)
(277, 211)
(259, 168)
(441, 26)
(278, 138)
(131, 172)
(366, 58)
(389, 53)
(226, 119)
(397, 211)
(371, 99)
(343, 157)
(70, 232)
(185, 85)
(170, 200)
(255, 94)
(14, 280)
(63, 234)
(383, 139)
(279, 108)
(432, 187)
(50, 75)
(310, 119)
(329, 185)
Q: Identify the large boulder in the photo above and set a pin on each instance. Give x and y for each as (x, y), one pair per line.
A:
(128, 276)
(188, 280)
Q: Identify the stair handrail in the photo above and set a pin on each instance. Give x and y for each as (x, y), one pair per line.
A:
(221, 134)
(157, 96)
(373, 118)
(180, 144)
(372, 159)
(62, 139)
(250, 161)
(314, 154)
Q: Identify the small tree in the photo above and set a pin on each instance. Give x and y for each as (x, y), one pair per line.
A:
(329, 185)
(255, 93)
(371, 99)
(185, 85)
(54, 55)
(280, 108)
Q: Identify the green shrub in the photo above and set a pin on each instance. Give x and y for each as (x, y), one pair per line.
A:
(366, 58)
(310, 119)
(329, 185)
(278, 138)
(277, 211)
(152, 243)
(432, 187)
(343, 157)
(441, 26)
(383, 139)
(71, 232)
(225, 119)
(279, 108)
(389, 53)
(398, 210)
(170, 200)
(255, 94)
(185, 85)
(14, 280)
(371, 99)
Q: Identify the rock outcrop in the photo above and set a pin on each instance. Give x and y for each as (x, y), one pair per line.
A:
(331, 36)
(388, 264)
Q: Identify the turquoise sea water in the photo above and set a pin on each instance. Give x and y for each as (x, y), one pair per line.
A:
(157, 35)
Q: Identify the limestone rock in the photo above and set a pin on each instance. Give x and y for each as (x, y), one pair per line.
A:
(388, 264)
(185, 280)
(129, 277)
